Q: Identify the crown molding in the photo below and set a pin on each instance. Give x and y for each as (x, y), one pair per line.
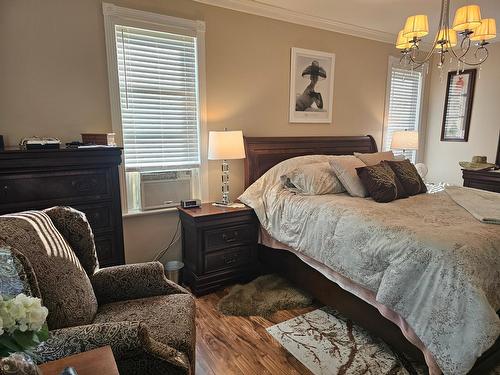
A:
(282, 14)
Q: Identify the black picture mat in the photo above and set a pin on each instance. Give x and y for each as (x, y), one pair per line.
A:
(468, 108)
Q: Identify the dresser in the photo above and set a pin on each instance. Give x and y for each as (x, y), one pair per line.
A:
(85, 179)
(219, 246)
(485, 180)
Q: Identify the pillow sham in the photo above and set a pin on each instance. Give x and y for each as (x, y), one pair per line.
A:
(345, 169)
(374, 158)
(313, 179)
(408, 175)
(381, 183)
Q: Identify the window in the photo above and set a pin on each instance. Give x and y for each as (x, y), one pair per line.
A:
(158, 98)
(403, 104)
(154, 70)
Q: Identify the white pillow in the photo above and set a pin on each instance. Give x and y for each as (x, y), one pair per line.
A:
(345, 169)
(374, 158)
(313, 179)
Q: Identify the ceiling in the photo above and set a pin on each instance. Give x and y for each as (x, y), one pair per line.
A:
(373, 19)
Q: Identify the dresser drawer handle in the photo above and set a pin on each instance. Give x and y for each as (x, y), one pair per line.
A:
(232, 238)
(230, 259)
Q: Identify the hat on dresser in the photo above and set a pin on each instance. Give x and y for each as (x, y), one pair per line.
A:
(478, 163)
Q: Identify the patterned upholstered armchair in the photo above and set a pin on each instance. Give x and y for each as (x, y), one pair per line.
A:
(147, 320)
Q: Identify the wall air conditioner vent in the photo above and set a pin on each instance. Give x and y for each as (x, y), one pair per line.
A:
(165, 189)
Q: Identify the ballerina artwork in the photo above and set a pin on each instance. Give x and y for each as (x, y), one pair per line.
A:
(311, 90)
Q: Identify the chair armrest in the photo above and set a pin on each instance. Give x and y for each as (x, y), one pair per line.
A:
(132, 281)
(128, 340)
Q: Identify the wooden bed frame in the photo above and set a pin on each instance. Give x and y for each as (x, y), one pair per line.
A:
(262, 153)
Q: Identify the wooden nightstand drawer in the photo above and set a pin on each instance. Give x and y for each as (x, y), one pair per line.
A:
(229, 258)
(218, 239)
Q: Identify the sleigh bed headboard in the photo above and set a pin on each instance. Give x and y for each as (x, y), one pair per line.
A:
(262, 153)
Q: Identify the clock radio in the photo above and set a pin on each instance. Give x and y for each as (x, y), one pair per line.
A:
(191, 203)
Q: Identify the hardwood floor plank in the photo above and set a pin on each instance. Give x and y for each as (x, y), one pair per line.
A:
(233, 345)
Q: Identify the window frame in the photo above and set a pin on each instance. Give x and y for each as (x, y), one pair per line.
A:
(115, 15)
(393, 62)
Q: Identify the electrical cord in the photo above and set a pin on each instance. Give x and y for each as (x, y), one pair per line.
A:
(173, 241)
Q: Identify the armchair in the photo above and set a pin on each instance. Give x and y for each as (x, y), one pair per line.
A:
(146, 319)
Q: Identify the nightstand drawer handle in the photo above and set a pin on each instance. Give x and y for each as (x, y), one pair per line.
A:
(230, 259)
(233, 238)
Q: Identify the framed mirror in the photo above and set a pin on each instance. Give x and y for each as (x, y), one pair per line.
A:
(458, 105)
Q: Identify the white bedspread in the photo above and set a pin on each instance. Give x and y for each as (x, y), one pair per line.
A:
(425, 257)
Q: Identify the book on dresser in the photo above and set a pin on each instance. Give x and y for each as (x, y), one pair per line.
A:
(85, 179)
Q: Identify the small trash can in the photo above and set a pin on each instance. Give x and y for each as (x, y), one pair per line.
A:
(172, 270)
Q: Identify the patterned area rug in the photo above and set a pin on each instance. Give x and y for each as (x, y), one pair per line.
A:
(327, 343)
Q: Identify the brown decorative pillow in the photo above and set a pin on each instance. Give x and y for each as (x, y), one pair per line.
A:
(64, 286)
(381, 183)
(408, 176)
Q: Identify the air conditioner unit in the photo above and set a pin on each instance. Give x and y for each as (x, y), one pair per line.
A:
(165, 189)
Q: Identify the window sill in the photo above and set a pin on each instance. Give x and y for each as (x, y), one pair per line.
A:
(137, 213)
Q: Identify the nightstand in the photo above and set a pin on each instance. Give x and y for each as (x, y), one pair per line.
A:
(485, 180)
(219, 246)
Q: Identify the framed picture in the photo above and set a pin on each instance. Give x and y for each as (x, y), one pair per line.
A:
(311, 86)
(458, 106)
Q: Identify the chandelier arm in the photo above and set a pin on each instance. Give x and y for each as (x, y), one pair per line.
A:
(463, 60)
(444, 13)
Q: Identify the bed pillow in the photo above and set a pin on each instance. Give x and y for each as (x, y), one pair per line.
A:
(345, 169)
(374, 158)
(381, 183)
(313, 179)
(408, 175)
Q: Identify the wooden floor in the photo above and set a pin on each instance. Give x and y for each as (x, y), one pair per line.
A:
(229, 345)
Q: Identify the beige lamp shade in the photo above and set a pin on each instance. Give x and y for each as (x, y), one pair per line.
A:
(467, 18)
(487, 30)
(450, 36)
(405, 140)
(416, 26)
(402, 41)
(226, 145)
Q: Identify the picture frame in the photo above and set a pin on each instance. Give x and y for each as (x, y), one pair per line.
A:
(458, 105)
(311, 86)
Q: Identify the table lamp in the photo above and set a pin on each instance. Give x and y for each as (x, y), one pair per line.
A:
(404, 140)
(225, 145)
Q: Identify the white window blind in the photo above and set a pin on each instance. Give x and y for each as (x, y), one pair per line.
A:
(158, 98)
(404, 106)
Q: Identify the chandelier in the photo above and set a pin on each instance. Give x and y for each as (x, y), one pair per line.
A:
(469, 31)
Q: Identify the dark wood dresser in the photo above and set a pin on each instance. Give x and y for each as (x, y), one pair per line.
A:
(485, 180)
(219, 246)
(85, 179)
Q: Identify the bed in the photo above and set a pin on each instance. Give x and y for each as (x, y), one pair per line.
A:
(263, 154)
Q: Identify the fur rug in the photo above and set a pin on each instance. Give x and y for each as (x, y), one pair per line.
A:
(263, 296)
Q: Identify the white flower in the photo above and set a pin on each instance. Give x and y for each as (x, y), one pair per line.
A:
(21, 313)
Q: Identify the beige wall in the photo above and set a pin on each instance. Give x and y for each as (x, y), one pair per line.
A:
(54, 82)
(442, 157)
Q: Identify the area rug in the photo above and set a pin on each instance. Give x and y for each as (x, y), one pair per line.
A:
(263, 296)
(327, 343)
